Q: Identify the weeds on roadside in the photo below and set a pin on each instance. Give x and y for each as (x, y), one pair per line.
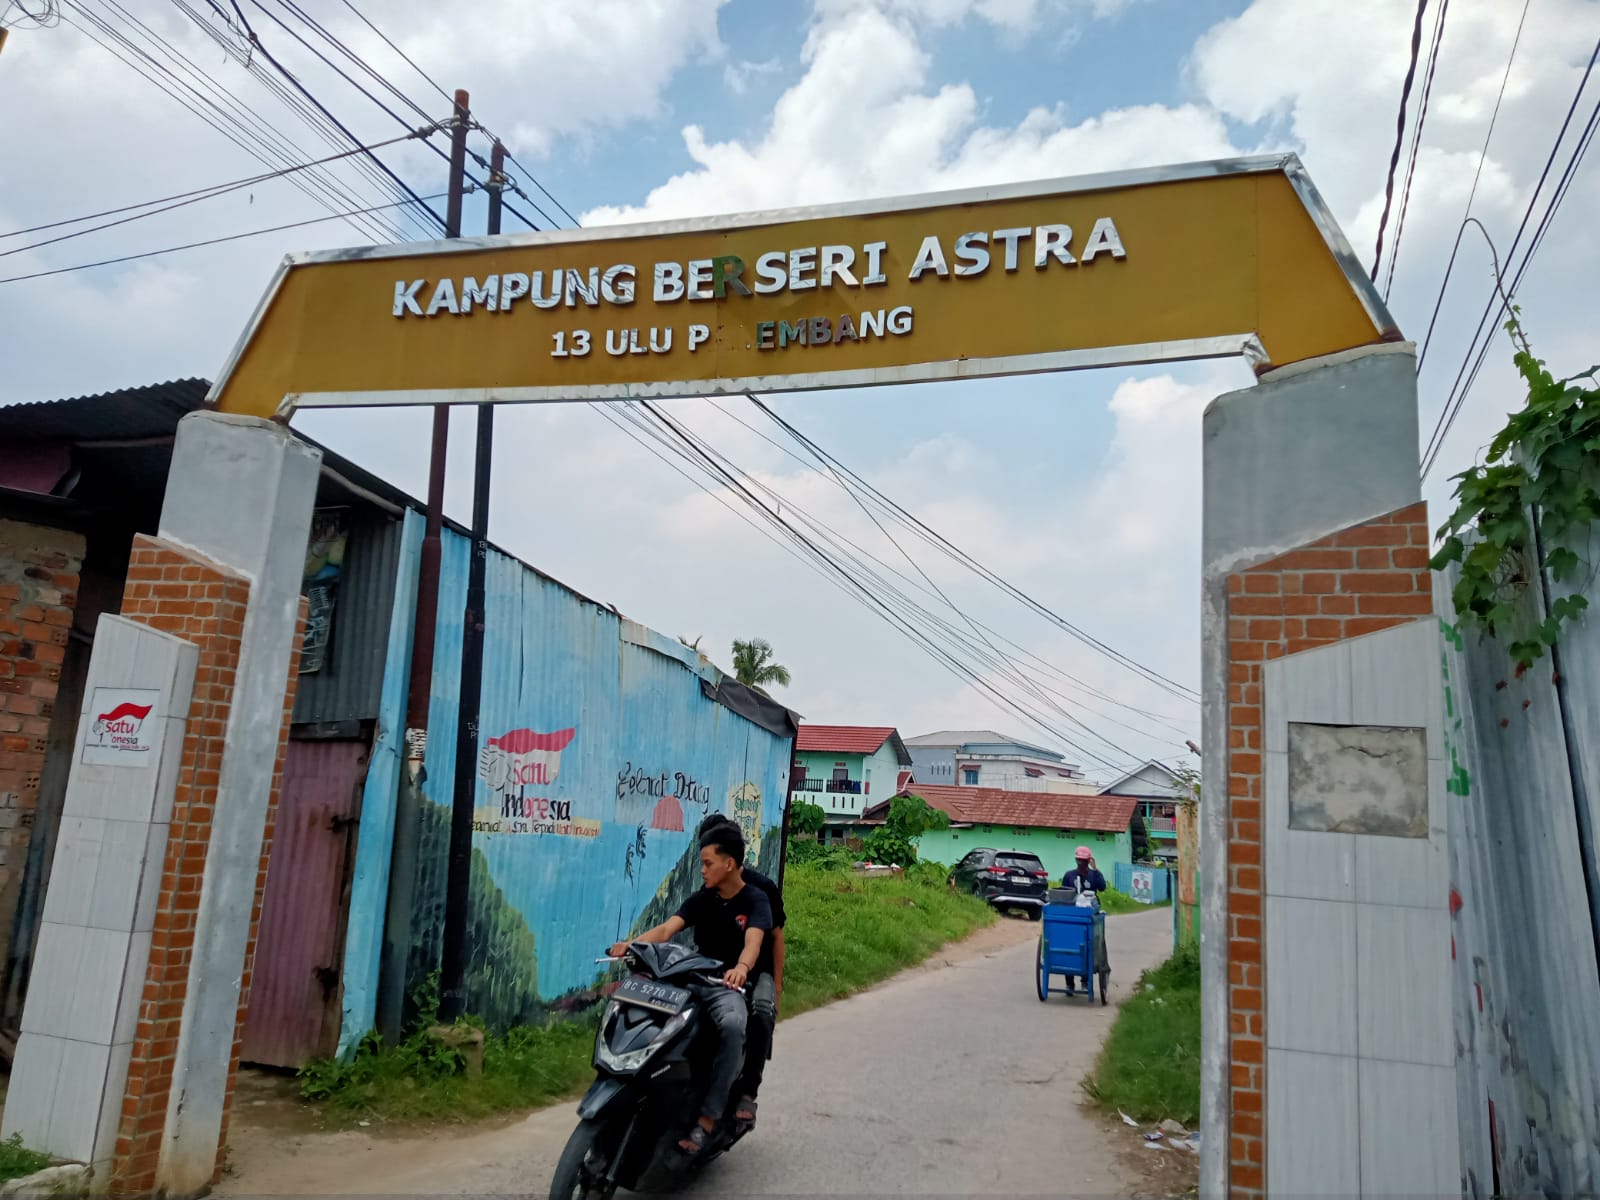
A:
(1150, 1065)
(16, 1160)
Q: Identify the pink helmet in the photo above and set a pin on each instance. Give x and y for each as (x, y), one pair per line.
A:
(1082, 852)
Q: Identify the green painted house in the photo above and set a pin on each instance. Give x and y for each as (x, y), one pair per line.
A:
(847, 769)
(1046, 824)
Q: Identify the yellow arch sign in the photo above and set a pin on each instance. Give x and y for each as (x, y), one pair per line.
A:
(1208, 259)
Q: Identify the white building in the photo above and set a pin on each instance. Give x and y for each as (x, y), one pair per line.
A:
(984, 758)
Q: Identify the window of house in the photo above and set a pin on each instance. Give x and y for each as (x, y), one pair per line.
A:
(841, 773)
(969, 776)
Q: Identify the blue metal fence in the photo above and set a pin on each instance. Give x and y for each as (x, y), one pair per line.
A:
(600, 753)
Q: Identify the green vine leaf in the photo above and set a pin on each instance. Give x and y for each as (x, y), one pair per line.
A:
(1544, 467)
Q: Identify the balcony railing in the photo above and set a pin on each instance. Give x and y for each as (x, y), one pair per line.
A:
(843, 787)
(1162, 825)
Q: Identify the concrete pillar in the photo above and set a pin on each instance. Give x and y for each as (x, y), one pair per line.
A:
(1323, 809)
(241, 493)
(133, 1017)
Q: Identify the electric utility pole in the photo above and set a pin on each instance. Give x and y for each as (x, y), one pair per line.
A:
(408, 811)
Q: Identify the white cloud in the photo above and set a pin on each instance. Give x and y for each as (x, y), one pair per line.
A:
(863, 121)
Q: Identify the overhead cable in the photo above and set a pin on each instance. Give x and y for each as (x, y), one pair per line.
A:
(1399, 134)
(1483, 156)
(106, 262)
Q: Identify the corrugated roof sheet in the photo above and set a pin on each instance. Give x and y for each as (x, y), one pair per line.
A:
(139, 412)
(1037, 810)
(843, 739)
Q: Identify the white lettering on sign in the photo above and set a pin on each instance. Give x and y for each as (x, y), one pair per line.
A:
(797, 269)
(123, 727)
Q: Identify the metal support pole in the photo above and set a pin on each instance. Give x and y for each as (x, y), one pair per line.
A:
(458, 887)
(409, 809)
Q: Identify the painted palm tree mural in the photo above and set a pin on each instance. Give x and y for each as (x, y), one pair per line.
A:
(632, 865)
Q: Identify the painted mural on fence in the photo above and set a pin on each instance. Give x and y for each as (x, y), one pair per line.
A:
(601, 758)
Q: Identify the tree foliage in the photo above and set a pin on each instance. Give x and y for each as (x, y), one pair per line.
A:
(754, 665)
(895, 841)
(806, 817)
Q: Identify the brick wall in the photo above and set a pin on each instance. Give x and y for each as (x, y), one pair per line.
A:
(1361, 580)
(38, 592)
(179, 592)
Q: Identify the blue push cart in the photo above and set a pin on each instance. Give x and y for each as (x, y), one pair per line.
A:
(1072, 944)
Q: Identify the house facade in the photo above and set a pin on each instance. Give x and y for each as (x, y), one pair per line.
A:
(1051, 826)
(984, 758)
(1157, 788)
(846, 769)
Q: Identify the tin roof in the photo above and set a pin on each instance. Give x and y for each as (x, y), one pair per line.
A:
(138, 412)
(1036, 810)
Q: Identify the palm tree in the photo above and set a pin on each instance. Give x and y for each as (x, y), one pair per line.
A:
(753, 665)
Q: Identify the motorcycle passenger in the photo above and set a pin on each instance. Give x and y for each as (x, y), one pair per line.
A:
(1089, 882)
(766, 987)
(730, 920)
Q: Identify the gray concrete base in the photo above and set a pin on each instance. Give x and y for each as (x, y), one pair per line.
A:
(1308, 451)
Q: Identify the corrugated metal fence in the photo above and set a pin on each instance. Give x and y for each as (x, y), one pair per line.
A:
(1524, 780)
(601, 753)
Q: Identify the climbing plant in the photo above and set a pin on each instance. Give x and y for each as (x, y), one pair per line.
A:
(1530, 504)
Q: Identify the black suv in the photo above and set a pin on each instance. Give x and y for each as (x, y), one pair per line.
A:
(1007, 879)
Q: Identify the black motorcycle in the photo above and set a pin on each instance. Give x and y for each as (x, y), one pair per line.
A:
(652, 1056)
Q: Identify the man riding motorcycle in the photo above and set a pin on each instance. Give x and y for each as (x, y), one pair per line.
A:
(730, 920)
(766, 986)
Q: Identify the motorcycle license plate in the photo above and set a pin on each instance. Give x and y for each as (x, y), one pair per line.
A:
(648, 993)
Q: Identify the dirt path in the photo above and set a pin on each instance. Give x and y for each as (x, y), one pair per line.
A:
(949, 1078)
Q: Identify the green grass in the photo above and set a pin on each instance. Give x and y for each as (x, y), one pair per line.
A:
(1150, 1066)
(16, 1160)
(844, 933)
(418, 1079)
(1114, 902)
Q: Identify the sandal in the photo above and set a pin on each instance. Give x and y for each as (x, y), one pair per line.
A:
(746, 1105)
(696, 1138)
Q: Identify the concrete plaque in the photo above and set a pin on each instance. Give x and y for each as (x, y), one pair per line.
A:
(1370, 779)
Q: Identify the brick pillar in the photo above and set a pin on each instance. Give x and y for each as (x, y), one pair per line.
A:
(180, 592)
(1367, 578)
(38, 593)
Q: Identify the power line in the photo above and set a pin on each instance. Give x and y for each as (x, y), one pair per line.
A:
(956, 553)
(1399, 134)
(306, 92)
(1071, 679)
(897, 618)
(410, 62)
(169, 203)
(974, 644)
(235, 121)
(1416, 143)
(106, 262)
(1457, 396)
(1483, 155)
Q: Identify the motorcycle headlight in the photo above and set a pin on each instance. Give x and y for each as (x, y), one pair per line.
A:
(631, 1061)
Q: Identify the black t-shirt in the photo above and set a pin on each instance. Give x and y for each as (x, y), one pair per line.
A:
(719, 925)
(774, 897)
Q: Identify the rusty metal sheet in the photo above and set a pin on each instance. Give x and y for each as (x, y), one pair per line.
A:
(294, 1010)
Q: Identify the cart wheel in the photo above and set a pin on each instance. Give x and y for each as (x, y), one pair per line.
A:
(1105, 977)
(1043, 974)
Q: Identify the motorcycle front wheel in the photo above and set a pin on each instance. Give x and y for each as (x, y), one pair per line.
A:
(574, 1178)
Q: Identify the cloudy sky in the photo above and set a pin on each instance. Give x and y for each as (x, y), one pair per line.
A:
(1080, 490)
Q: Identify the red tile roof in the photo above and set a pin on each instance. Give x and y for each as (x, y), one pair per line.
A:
(1038, 810)
(843, 739)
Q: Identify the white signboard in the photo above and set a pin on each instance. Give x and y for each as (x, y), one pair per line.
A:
(124, 727)
(1143, 886)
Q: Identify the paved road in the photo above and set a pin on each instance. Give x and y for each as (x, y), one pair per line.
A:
(948, 1079)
